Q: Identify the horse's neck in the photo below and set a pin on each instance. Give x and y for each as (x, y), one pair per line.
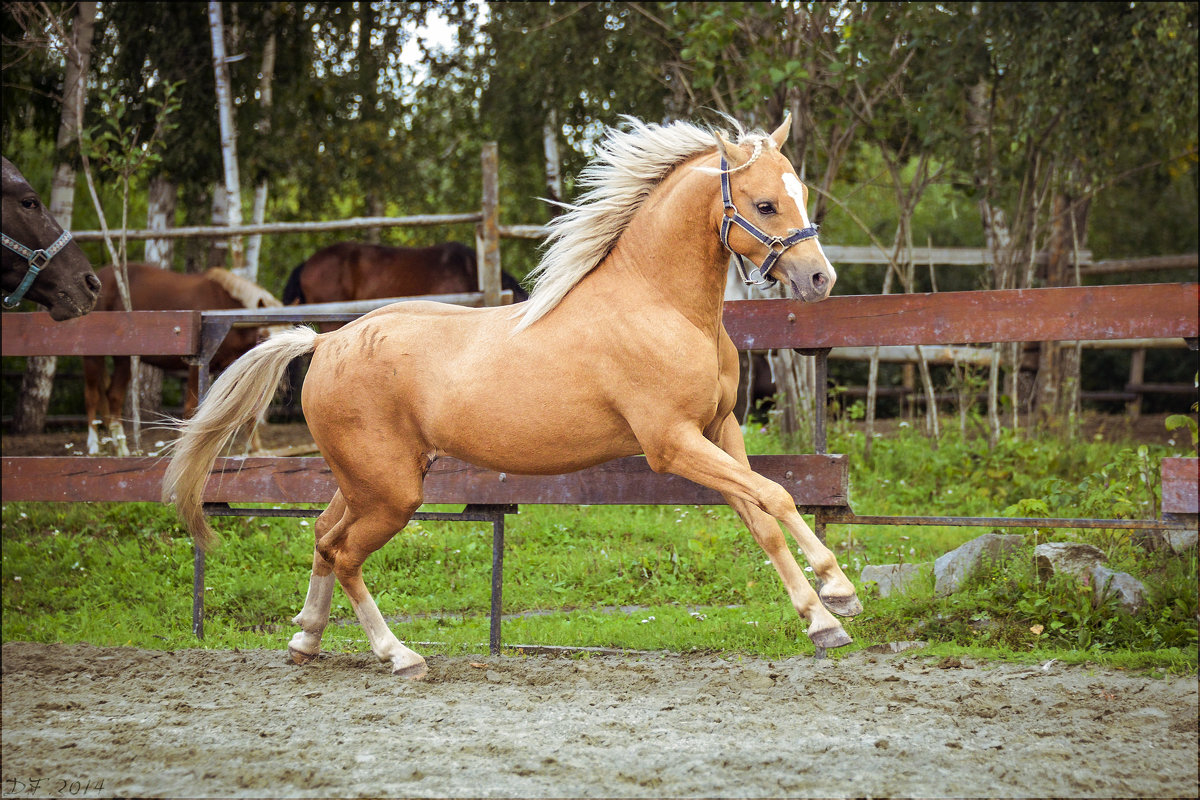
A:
(672, 246)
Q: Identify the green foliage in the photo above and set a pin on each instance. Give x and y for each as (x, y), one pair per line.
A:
(355, 126)
(1177, 421)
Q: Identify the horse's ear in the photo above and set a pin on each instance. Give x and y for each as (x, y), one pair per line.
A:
(733, 154)
(781, 133)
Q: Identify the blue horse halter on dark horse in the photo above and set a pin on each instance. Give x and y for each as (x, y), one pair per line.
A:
(37, 260)
(760, 275)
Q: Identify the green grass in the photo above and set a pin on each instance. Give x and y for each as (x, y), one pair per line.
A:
(640, 577)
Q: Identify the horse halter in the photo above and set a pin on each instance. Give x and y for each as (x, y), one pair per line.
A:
(37, 260)
(778, 245)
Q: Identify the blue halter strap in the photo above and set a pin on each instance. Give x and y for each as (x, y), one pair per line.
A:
(37, 260)
(777, 245)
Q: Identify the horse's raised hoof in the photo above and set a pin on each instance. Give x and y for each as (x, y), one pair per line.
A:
(300, 658)
(843, 606)
(413, 672)
(830, 638)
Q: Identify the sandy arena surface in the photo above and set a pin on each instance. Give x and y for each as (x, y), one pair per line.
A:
(82, 721)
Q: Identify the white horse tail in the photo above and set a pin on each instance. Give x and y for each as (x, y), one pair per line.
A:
(236, 399)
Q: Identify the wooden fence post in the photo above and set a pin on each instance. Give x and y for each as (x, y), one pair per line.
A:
(487, 234)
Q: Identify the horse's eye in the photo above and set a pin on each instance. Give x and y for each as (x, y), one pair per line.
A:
(766, 209)
(29, 203)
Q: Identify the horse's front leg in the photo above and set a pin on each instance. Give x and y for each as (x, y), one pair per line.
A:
(836, 590)
(760, 502)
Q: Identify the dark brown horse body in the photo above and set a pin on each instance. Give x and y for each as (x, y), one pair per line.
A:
(65, 284)
(154, 289)
(359, 271)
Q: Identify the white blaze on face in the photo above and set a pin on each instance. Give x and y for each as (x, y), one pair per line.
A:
(795, 190)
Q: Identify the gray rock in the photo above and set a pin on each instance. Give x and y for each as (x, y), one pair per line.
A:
(1072, 558)
(1086, 564)
(1181, 541)
(893, 577)
(953, 569)
(1129, 590)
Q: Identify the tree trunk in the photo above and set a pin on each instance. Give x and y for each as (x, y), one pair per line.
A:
(218, 249)
(233, 190)
(995, 230)
(1057, 388)
(161, 202)
(254, 243)
(30, 414)
(553, 161)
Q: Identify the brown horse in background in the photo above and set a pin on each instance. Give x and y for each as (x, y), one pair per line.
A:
(360, 271)
(154, 289)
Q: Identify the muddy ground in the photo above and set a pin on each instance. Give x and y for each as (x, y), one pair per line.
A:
(84, 721)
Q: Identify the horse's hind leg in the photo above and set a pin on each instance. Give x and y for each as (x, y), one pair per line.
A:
(380, 497)
(344, 541)
(314, 617)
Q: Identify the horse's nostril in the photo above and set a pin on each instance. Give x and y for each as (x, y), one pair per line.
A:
(92, 282)
(819, 280)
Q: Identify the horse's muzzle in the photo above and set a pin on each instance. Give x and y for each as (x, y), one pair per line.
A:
(812, 286)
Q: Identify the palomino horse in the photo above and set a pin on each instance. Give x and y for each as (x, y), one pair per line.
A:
(619, 350)
(154, 289)
(359, 271)
(39, 260)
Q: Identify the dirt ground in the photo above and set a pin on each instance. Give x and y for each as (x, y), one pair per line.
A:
(82, 721)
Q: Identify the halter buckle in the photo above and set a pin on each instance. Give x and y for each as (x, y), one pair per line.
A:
(39, 259)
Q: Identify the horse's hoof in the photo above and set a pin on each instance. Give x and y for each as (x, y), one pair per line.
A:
(830, 638)
(413, 672)
(300, 658)
(843, 606)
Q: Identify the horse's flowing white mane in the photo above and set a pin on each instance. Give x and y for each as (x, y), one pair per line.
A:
(245, 291)
(628, 164)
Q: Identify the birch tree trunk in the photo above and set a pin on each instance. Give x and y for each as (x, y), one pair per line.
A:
(553, 161)
(995, 231)
(233, 189)
(30, 414)
(254, 244)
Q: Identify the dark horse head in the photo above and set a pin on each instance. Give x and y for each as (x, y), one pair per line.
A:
(40, 261)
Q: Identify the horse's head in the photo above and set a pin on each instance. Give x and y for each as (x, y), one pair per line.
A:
(765, 217)
(40, 257)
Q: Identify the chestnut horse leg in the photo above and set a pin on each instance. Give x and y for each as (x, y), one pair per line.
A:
(94, 375)
(760, 502)
(117, 387)
(192, 397)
